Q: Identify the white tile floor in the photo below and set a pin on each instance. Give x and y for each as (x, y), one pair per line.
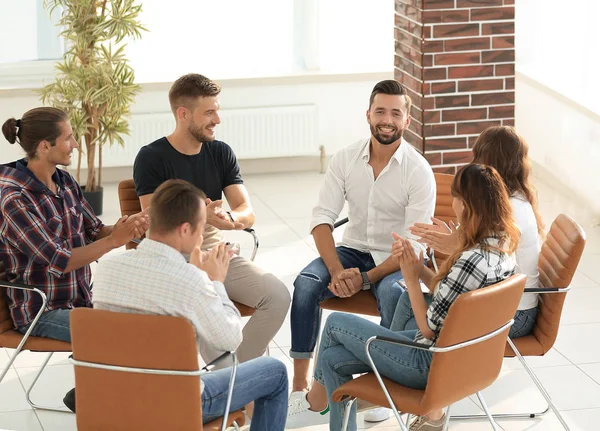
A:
(570, 371)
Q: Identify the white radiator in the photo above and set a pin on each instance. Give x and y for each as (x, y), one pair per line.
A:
(277, 131)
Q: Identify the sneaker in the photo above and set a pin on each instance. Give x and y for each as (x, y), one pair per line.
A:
(69, 400)
(423, 423)
(300, 415)
(378, 414)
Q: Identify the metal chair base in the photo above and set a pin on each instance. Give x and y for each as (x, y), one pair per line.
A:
(35, 380)
(540, 387)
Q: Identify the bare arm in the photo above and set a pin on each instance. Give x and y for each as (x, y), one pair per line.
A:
(326, 248)
(239, 202)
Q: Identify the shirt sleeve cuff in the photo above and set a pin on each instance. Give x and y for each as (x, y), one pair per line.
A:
(59, 262)
(316, 221)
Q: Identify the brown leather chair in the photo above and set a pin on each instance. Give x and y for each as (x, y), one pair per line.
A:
(559, 257)
(364, 302)
(467, 356)
(137, 372)
(10, 338)
(130, 205)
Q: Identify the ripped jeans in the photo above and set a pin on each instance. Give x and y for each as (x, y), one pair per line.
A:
(310, 288)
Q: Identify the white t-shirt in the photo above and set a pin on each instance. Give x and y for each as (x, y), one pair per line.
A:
(527, 254)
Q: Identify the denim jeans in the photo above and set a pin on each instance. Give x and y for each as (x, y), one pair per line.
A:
(53, 324)
(310, 289)
(342, 354)
(262, 380)
(524, 323)
(404, 318)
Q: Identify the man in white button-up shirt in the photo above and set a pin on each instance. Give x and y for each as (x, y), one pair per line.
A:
(389, 186)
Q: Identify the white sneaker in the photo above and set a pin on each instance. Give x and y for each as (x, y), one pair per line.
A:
(377, 415)
(300, 415)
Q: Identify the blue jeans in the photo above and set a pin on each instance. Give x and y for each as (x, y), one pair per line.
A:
(342, 354)
(404, 318)
(524, 323)
(262, 380)
(53, 324)
(310, 289)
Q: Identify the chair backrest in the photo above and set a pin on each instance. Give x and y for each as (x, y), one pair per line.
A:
(443, 197)
(128, 198)
(559, 257)
(460, 373)
(118, 400)
(129, 202)
(6, 323)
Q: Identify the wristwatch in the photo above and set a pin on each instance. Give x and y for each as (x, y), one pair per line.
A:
(231, 216)
(366, 283)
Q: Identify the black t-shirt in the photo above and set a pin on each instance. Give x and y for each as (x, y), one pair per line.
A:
(211, 170)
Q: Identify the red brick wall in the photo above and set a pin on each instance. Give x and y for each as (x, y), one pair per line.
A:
(456, 57)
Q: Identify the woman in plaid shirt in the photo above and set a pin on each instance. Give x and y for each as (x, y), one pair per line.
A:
(488, 239)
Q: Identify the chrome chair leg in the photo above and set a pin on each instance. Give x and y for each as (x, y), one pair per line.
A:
(347, 411)
(35, 380)
(486, 410)
(447, 421)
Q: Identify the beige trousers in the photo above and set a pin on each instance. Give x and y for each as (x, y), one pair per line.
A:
(250, 285)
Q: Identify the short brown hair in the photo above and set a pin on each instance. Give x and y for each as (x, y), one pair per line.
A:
(175, 202)
(393, 87)
(188, 88)
(36, 125)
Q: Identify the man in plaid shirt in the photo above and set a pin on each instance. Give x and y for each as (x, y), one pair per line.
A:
(49, 234)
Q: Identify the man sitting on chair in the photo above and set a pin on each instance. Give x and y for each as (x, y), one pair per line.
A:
(156, 279)
(191, 153)
(49, 234)
(388, 186)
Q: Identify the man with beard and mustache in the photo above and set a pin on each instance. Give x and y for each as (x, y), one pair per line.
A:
(388, 186)
(191, 153)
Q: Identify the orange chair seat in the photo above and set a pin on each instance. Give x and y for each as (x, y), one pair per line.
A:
(244, 310)
(11, 339)
(367, 388)
(363, 302)
(237, 417)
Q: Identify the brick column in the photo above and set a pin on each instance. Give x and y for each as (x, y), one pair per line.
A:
(456, 57)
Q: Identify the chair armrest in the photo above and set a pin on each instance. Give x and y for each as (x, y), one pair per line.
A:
(547, 289)
(434, 349)
(253, 233)
(212, 364)
(340, 222)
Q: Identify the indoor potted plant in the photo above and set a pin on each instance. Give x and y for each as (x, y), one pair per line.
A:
(94, 83)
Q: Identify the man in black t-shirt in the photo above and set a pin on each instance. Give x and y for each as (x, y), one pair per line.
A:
(191, 153)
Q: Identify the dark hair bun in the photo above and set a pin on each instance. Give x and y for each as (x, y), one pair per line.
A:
(9, 130)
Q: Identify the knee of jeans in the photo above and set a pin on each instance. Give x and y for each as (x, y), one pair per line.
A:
(308, 287)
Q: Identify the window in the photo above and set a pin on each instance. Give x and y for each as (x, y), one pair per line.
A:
(557, 47)
(28, 32)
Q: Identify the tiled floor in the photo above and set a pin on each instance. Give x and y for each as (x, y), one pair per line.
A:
(283, 203)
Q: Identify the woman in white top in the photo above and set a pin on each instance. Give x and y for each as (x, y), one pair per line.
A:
(504, 149)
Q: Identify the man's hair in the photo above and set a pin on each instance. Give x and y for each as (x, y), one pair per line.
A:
(190, 87)
(174, 203)
(393, 87)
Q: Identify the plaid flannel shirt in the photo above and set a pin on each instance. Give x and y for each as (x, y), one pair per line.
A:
(38, 230)
(474, 269)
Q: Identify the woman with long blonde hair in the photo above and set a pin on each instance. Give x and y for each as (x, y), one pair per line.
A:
(487, 241)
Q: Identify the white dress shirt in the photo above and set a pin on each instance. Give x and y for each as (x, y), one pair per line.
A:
(155, 279)
(402, 194)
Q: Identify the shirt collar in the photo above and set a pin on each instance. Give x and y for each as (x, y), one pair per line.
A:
(161, 249)
(398, 155)
(21, 165)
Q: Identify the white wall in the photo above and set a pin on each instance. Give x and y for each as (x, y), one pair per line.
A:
(564, 139)
(341, 101)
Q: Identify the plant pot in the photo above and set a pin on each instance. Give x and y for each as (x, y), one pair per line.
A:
(95, 199)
